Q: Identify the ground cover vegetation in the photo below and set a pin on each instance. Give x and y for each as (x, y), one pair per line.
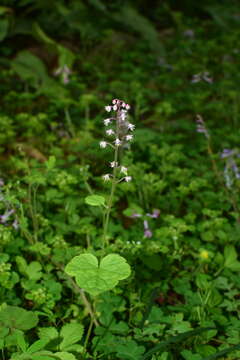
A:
(119, 219)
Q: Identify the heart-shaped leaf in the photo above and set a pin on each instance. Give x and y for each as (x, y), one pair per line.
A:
(95, 200)
(94, 277)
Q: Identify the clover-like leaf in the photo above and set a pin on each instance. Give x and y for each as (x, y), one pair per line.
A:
(95, 200)
(96, 278)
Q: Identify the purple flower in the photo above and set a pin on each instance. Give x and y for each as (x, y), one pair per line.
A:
(189, 33)
(226, 153)
(65, 72)
(135, 215)
(201, 127)
(15, 224)
(4, 218)
(203, 76)
(155, 214)
(147, 233)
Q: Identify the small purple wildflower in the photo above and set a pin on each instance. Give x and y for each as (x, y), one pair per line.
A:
(155, 214)
(15, 224)
(147, 231)
(135, 215)
(231, 169)
(201, 127)
(226, 153)
(65, 72)
(203, 76)
(4, 218)
(189, 33)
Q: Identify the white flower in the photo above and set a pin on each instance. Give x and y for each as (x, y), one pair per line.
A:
(117, 142)
(129, 137)
(103, 144)
(107, 122)
(128, 178)
(113, 164)
(110, 132)
(106, 177)
(108, 108)
(131, 127)
(115, 107)
(123, 170)
(127, 107)
(123, 115)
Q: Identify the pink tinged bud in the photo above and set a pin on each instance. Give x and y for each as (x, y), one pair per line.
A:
(117, 142)
(113, 164)
(131, 127)
(107, 122)
(110, 132)
(114, 101)
(128, 178)
(108, 108)
(106, 177)
(129, 137)
(103, 144)
(127, 107)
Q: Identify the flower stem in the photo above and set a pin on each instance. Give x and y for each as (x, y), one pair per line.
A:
(113, 187)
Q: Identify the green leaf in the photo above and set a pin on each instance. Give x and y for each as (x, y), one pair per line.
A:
(63, 355)
(130, 351)
(222, 353)
(174, 340)
(95, 200)
(188, 355)
(51, 162)
(15, 317)
(30, 68)
(33, 271)
(37, 345)
(49, 333)
(230, 256)
(132, 18)
(71, 334)
(96, 278)
(3, 28)
(4, 10)
(21, 341)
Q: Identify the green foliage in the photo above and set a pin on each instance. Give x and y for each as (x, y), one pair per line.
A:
(182, 299)
(95, 200)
